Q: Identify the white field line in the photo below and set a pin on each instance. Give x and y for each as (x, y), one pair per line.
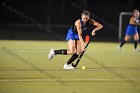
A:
(67, 80)
(42, 51)
(32, 51)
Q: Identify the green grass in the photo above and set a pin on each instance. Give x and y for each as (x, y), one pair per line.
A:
(107, 70)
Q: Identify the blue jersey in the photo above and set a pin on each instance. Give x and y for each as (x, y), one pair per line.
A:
(73, 33)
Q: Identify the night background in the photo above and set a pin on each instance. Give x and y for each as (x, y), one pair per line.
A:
(21, 19)
(33, 31)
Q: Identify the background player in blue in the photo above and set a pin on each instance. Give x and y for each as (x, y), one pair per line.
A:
(74, 38)
(131, 30)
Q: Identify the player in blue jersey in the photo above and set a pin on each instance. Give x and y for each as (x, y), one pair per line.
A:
(131, 30)
(74, 38)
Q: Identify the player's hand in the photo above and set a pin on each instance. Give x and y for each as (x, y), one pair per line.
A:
(93, 33)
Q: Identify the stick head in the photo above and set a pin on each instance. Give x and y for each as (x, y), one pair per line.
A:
(74, 65)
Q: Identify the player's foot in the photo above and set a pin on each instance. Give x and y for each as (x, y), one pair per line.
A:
(136, 50)
(69, 66)
(119, 48)
(51, 54)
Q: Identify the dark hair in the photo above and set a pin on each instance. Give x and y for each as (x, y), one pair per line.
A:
(85, 13)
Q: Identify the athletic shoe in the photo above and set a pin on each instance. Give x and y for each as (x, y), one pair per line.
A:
(119, 48)
(51, 54)
(136, 50)
(69, 66)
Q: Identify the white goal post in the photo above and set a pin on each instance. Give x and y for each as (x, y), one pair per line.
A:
(121, 22)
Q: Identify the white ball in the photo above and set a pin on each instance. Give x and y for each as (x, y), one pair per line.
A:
(83, 67)
(137, 21)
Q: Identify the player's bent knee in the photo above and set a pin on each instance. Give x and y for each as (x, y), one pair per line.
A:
(72, 52)
(126, 40)
(136, 39)
(79, 52)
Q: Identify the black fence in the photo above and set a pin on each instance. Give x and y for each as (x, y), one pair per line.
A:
(50, 32)
(50, 20)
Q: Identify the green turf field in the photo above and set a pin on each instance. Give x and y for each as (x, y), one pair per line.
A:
(24, 68)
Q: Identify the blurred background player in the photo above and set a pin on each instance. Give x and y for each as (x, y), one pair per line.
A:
(131, 30)
(74, 38)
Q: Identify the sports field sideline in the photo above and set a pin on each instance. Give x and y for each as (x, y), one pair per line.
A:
(24, 68)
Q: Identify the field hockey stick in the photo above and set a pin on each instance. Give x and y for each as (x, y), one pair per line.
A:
(80, 56)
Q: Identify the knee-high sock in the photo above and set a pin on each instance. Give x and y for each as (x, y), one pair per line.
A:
(62, 51)
(135, 44)
(122, 43)
(74, 56)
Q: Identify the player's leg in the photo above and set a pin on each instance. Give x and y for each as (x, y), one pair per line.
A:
(128, 34)
(61, 51)
(55, 52)
(71, 50)
(76, 53)
(136, 38)
(71, 47)
(71, 44)
(78, 48)
(126, 39)
(68, 65)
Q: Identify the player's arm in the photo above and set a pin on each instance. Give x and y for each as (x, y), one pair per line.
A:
(134, 21)
(98, 26)
(137, 22)
(78, 26)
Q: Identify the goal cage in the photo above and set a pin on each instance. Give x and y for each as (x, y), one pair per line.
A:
(123, 21)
